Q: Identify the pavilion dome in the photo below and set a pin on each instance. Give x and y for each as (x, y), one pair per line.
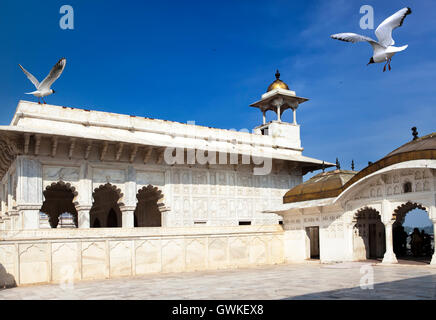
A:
(323, 185)
(427, 142)
(277, 84)
(418, 149)
(331, 184)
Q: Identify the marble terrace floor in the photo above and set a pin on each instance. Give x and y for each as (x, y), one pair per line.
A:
(286, 281)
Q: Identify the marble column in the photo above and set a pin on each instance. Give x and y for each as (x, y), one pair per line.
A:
(29, 217)
(349, 231)
(128, 217)
(129, 200)
(294, 113)
(83, 217)
(433, 259)
(389, 256)
(29, 191)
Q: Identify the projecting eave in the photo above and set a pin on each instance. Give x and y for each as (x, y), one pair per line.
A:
(19, 134)
(290, 101)
(49, 120)
(295, 207)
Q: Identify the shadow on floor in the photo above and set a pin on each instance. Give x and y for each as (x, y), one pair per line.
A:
(419, 288)
(404, 260)
(414, 260)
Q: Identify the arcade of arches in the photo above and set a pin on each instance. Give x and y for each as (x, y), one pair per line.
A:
(105, 211)
(369, 236)
(360, 214)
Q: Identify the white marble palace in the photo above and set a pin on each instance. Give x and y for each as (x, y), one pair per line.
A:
(88, 195)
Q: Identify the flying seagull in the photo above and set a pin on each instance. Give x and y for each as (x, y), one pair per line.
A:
(43, 88)
(384, 48)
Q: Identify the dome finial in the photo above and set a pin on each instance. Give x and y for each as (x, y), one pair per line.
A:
(277, 74)
(415, 133)
(277, 84)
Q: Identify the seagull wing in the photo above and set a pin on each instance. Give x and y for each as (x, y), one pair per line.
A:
(30, 77)
(384, 30)
(54, 74)
(354, 37)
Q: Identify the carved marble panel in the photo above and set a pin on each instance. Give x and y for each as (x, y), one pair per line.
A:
(120, 258)
(155, 178)
(66, 174)
(148, 256)
(94, 258)
(65, 262)
(196, 254)
(257, 251)
(276, 250)
(238, 252)
(222, 183)
(199, 182)
(200, 209)
(173, 255)
(105, 175)
(34, 266)
(176, 182)
(186, 181)
(217, 257)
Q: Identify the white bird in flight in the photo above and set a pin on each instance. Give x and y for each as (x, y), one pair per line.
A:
(384, 48)
(43, 88)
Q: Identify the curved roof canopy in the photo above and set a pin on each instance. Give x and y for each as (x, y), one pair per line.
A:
(323, 185)
(333, 183)
(427, 142)
(419, 149)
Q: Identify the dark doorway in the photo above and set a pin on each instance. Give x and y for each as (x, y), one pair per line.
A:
(313, 234)
(105, 208)
(147, 212)
(112, 219)
(368, 235)
(96, 223)
(372, 241)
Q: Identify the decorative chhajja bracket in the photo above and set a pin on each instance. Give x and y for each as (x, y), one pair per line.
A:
(9, 149)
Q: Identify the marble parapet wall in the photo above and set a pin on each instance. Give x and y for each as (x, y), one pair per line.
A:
(66, 256)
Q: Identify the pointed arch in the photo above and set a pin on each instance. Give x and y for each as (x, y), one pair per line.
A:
(105, 211)
(369, 234)
(109, 187)
(60, 201)
(366, 211)
(401, 211)
(149, 208)
(417, 251)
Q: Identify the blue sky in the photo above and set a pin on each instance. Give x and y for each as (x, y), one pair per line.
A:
(206, 61)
